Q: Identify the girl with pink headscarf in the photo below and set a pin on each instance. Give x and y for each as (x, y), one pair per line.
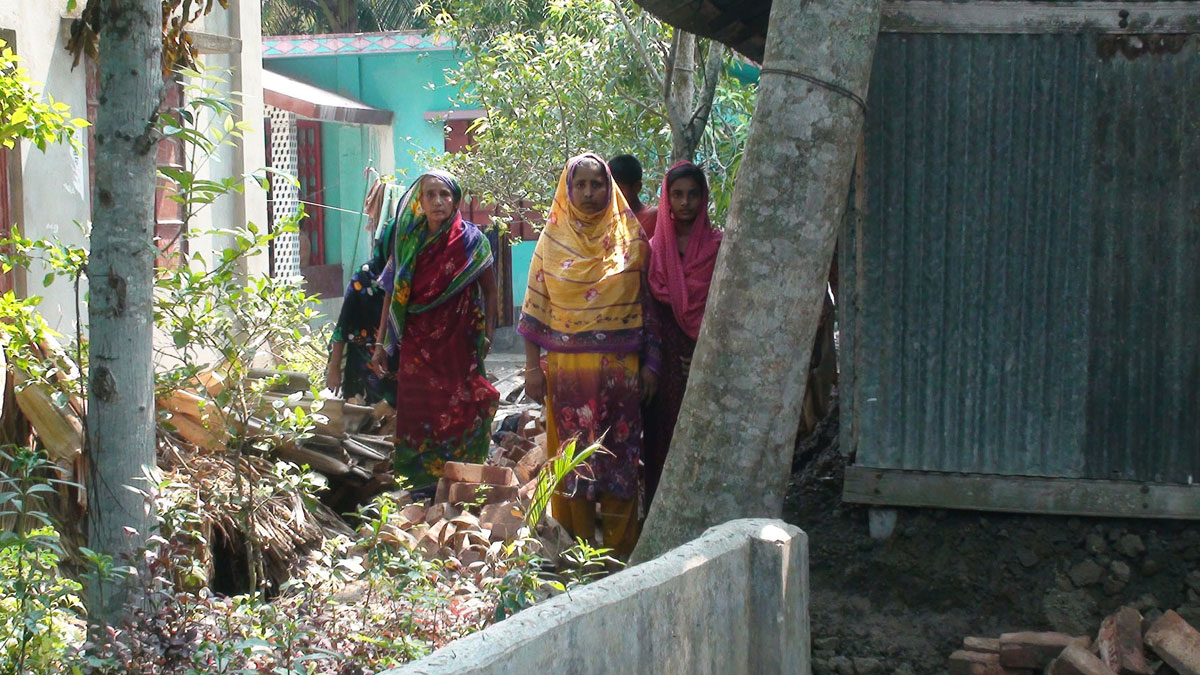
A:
(683, 253)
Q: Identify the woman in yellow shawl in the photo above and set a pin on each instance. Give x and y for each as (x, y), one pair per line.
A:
(584, 307)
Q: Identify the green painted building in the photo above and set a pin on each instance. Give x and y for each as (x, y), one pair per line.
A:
(399, 72)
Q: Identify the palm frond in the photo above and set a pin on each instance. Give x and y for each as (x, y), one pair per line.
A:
(381, 15)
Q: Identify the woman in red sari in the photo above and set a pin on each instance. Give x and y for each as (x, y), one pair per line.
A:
(683, 253)
(441, 307)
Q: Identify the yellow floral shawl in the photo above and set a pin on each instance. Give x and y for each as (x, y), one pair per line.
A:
(584, 291)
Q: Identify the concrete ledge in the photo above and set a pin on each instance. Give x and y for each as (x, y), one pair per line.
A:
(734, 600)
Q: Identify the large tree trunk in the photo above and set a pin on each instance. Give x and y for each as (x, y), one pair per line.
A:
(731, 456)
(120, 274)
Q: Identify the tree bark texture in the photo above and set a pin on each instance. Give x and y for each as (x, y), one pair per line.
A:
(732, 450)
(120, 273)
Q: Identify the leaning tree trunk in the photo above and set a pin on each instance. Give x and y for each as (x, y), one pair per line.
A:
(120, 276)
(731, 455)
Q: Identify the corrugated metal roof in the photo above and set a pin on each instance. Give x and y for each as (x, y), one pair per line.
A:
(1023, 295)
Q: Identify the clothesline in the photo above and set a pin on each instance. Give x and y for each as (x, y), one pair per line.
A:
(323, 206)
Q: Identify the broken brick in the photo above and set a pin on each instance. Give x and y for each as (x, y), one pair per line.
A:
(530, 464)
(443, 491)
(431, 541)
(967, 662)
(981, 644)
(526, 491)
(503, 520)
(1035, 650)
(413, 513)
(471, 493)
(1077, 660)
(459, 472)
(504, 462)
(1176, 643)
(964, 662)
(441, 511)
(465, 520)
(1119, 643)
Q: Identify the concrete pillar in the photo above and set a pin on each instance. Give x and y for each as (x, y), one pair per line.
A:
(778, 597)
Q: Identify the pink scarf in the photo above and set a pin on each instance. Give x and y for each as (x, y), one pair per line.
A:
(683, 284)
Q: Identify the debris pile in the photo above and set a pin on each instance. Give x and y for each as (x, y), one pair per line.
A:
(478, 505)
(1126, 644)
(194, 438)
(474, 507)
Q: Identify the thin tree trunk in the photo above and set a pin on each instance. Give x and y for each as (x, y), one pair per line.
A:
(731, 455)
(120, 273)
(687, 113)
(681, 75)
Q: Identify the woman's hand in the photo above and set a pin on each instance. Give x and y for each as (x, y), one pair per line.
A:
(333, 369)
(535, 383)
(649, 382)
(333, 377)
(379, 361)
(686, 363)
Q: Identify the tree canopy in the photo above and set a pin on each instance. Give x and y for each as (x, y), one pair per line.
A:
(560, 77)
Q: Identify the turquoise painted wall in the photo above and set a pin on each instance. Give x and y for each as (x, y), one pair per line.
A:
(408, 83)
(522, 257)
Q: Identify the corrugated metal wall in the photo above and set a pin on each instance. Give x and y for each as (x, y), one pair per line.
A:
(1022, 295)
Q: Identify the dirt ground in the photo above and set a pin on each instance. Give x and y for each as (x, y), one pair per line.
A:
(903, 604)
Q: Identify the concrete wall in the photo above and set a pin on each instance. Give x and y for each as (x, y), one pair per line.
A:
(522, 258)
(733, 601)
(346, 150)
(409, 83)
(242, 21)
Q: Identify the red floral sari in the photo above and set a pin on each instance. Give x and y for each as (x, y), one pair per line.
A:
(444, 403)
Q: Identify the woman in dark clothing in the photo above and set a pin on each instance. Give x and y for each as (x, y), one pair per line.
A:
(349, 373)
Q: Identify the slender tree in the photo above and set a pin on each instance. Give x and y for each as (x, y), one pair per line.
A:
(677, 79)
(731, 454)
(120, 272)
(688, 113)
(142, 40)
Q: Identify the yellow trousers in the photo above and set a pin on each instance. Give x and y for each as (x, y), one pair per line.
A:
(618, 520)
(618, 517)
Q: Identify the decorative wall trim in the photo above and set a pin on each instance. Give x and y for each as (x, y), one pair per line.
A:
(390, 42)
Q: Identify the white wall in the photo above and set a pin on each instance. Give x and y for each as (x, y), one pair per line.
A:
(240, 21)
(51, 191)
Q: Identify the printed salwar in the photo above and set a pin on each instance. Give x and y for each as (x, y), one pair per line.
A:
(585, 306)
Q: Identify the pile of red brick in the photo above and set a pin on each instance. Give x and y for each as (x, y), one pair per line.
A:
(1126, 644)
(477, 505)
